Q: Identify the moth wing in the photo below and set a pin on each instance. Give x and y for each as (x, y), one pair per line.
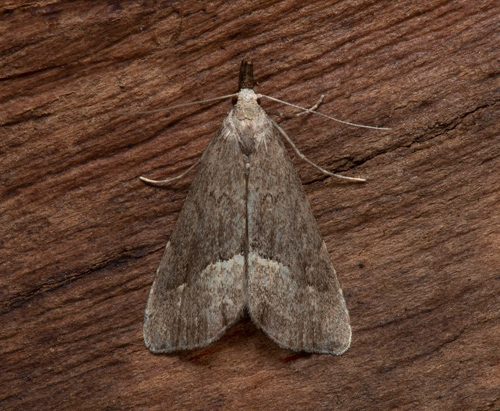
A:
(199, 289)
(293, 291)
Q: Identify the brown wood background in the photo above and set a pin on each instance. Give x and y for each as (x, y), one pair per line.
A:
(417, 248)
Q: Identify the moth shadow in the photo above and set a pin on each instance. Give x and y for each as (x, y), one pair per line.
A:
(243, 339)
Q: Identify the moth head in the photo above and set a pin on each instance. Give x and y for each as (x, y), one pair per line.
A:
(247, 97)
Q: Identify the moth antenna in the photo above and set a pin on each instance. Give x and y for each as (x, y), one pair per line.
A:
(309, 110)
(303, 157)
(169, 180)
(159, 110)
(313, 107)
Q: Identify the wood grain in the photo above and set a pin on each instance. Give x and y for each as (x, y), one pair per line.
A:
(416, 248)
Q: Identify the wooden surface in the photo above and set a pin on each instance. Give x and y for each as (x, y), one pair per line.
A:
(417, 248)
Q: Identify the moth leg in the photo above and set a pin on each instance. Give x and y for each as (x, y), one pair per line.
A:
(313, 107)
(303, 157)
(169, 180)
(286, 116)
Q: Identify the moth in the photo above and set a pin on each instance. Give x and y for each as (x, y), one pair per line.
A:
(246, 239)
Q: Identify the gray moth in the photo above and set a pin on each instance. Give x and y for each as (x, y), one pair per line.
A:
(246, 239)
